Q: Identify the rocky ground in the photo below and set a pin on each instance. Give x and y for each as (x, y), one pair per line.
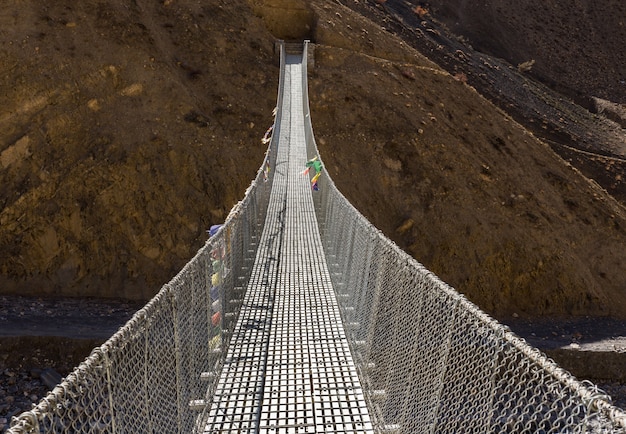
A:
(44, 339)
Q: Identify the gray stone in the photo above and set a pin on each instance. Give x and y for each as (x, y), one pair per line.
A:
(50, 378)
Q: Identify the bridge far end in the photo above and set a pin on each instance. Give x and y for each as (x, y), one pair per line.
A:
(289, 20)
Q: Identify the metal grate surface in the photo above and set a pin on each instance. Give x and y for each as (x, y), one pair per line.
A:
(289, 367)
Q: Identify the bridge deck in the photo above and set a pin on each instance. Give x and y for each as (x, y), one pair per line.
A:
(288, 368)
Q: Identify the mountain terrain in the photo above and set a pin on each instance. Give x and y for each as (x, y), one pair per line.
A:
(127, 128)
(486, 139)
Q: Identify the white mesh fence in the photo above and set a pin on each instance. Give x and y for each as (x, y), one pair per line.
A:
(147, 376)
(428, 359)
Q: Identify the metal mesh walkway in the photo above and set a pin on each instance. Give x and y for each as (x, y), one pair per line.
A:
(288, 368)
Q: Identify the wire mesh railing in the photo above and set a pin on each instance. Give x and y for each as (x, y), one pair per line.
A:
(147, 376)
(152, 374)
(428, 359)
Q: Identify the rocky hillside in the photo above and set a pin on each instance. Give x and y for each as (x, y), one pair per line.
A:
(127, 128)
(575, 46)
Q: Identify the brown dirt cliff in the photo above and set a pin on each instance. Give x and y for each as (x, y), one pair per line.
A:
(127, 128)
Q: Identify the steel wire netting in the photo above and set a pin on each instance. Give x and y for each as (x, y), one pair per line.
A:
(428, 360)
(155, 374)
(150, 375)
(431, 361)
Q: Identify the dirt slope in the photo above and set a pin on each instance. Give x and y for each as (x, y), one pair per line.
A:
(463, 188)
(578, 46)
(127, 128)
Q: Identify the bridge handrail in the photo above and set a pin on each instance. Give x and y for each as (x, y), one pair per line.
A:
(349, 240)
(158, 371)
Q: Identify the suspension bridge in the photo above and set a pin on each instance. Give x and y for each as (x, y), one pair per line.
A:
(299, 316)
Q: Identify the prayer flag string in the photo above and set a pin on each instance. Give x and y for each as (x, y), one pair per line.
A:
(315, 164)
